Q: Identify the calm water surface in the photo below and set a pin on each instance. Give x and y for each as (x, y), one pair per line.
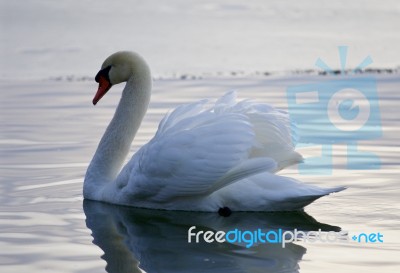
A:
(49, 131)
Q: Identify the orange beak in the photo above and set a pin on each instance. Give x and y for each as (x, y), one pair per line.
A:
(104, 86)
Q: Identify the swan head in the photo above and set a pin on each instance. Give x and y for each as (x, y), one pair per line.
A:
(119, 67)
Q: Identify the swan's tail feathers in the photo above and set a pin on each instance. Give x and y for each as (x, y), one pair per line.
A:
(296, 203)
(299, 202)
(245, 169)
(333, 190)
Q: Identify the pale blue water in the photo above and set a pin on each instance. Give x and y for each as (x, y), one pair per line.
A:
(49, 131)
(42, 38)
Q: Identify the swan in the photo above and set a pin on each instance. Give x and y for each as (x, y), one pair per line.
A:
(202, 158)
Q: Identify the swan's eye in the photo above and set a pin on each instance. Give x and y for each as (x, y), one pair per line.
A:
(103, 73)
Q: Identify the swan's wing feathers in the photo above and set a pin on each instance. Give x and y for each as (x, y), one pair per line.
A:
(180, 113)
(245, 169)
(199, 150)
(274, 133)
(209, 156)
(226, 102)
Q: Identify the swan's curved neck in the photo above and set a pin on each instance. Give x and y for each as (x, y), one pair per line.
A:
(115, 143)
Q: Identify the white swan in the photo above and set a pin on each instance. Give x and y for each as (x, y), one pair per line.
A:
(201, 159)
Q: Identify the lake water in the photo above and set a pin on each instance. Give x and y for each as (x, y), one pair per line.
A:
(49, 132)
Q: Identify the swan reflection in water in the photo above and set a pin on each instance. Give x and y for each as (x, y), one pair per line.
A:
(137, 240)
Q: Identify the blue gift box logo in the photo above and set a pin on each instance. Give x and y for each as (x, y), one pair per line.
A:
(343, 110)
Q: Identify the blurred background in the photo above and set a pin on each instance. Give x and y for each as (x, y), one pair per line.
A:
(45, 38)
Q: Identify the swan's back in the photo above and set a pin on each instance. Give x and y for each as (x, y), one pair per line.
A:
(199, 150)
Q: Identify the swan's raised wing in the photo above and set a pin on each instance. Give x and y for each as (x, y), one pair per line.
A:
(274, 133)
(196, 151)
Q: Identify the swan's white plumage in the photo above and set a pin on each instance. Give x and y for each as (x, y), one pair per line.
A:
(193, 150)
(207, 157)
